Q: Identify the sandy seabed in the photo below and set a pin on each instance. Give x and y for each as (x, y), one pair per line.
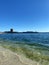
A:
(8, 57)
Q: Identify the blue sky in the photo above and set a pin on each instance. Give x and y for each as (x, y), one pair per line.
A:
(23, 15)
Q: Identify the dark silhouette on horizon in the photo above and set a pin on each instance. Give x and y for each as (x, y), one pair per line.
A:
(12, 31)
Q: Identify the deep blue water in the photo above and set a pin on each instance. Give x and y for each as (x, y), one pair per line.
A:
(39, 38)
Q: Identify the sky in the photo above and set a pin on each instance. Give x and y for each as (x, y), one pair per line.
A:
(24, 15)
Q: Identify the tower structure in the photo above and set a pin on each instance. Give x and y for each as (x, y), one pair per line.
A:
(11, 30)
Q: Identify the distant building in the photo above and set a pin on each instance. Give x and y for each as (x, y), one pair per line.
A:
(11, 30)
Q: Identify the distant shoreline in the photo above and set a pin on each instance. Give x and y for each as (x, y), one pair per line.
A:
(17, 32)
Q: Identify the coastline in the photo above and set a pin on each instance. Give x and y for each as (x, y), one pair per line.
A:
(8, 57)
(26, 52)
(24, 56)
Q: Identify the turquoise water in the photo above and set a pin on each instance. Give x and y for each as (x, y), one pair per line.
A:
(34, 45)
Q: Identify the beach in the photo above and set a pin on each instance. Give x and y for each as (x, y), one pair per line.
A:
(8, 57)
(24, 49)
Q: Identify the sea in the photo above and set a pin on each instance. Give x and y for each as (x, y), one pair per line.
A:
(28, 38)
(34, 45)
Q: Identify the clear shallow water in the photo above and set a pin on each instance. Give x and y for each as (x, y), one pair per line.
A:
(34, 46)
(34, 40)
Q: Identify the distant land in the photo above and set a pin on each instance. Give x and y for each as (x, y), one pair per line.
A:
(11, 31)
